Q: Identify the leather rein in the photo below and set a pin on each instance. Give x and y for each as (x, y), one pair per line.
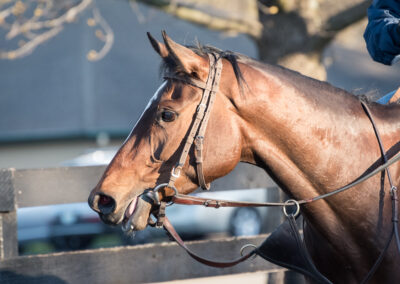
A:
(196, 137)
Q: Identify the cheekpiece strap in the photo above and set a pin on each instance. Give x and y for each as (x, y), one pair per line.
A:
(210, 87)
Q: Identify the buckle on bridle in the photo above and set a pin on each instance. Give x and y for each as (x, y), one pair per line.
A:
(174, 173)
(200, 106)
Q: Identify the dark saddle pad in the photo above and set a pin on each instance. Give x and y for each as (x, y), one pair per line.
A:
(285, 247)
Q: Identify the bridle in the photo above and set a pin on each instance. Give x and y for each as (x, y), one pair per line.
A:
(196, 133)
(199, 126)
(196, 137)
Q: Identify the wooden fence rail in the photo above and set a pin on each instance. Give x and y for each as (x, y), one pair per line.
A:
(133, 264)
(138, 264)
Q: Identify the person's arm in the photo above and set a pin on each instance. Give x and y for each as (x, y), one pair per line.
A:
(382, 34)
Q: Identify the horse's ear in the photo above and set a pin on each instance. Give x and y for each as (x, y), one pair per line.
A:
(158, 46)
(185, 58)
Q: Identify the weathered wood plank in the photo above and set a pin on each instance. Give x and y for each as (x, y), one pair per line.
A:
(135, 264)
(7, 196)
(34, 187)
(8, 235)
(8, 217)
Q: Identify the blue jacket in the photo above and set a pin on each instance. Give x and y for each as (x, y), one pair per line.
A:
(382, 34)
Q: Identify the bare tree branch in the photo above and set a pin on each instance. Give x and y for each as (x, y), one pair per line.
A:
(28, 47)
(32, 22)
(135, 8)
(108, 38)
(347, 17)
(230, 16)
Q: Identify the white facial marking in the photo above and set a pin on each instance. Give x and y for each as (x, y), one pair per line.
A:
(153, 98)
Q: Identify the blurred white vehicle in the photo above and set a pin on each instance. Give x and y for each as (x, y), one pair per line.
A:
(66, 226)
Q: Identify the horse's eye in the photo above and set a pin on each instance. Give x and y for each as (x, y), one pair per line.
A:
(168, 116)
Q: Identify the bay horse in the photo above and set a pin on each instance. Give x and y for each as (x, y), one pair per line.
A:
(309, 136)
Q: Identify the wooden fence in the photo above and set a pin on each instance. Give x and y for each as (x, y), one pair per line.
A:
(129, 264)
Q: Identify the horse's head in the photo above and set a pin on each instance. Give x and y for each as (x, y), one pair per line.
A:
(154, 146)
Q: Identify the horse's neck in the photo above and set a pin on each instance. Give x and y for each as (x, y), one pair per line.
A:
(314, 142)
(310, 143)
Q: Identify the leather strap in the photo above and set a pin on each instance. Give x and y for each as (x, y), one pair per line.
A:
(192, 200)
(199, 125)
(308, 267)
(305, 264)
(174, 235)
(161, 214)
(192, 81)
(216, 203)
(393, 192)
(379, 169)
(201, 134)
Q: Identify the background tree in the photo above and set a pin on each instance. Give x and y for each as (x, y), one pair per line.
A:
(29, 23)
(292, 33)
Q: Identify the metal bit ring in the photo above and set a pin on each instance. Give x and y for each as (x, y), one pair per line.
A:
(291, 202)
(246, 246)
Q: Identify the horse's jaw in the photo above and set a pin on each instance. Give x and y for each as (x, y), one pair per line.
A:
(136, 215)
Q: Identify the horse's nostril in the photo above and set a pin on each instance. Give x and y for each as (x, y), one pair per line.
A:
(106, 204)
(104, 200)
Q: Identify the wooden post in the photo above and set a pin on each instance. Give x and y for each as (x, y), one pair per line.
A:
(8, 216)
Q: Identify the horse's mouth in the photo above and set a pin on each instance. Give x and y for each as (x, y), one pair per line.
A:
(127, 225)
(136, 215)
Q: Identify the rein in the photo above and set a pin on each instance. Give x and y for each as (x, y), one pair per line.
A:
(196, 137)
(194, 200)
(393, 193)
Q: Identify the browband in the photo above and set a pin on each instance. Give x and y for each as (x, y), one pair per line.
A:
(192, 81)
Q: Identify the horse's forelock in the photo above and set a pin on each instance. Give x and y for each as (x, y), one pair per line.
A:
(168, 65)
